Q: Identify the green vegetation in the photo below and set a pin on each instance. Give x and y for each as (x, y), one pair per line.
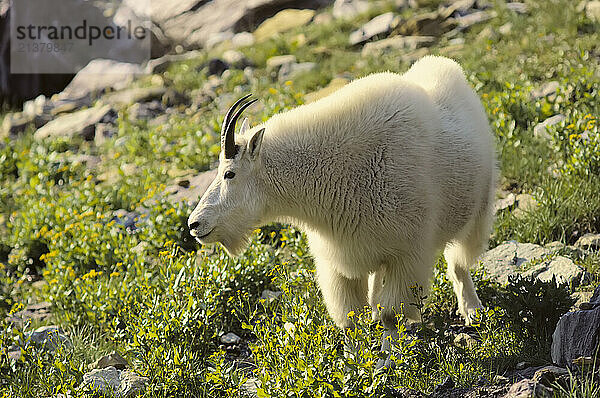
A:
(149, 292)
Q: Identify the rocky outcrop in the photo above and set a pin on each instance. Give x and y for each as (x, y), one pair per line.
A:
(194, 23)
(529, 259)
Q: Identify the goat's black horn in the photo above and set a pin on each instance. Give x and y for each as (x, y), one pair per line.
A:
(228, 118)
(230, 149)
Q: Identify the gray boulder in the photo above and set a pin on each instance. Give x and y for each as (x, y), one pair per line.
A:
(113, 382)
(134, 95)
(79, 123)
(100, 75)
(577, 334)
(528, 259)
(379, 25)
(49, 337)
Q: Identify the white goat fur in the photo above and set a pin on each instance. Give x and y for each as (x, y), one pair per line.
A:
(381, 175)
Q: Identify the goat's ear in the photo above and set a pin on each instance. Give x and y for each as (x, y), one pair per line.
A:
(255, 142)
(245, 126)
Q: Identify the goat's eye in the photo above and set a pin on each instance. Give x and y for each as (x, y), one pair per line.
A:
(229, 174)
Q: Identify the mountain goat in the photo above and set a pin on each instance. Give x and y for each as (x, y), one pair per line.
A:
(381, 175)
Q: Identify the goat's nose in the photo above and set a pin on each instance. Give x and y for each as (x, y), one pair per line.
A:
(193, 225)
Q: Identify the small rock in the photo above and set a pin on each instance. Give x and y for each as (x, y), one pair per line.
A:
(283, 21)
(236, 59)
(269, 295)
(217, 66)
(275, 63)
(524, 203)
(540, 130)
(379, 25)
(396, 43)
(519, 8)
(487, 33)
(592, 10)
(546, 90)
(34, 107)
(230, 338)
(173, 97)
(113, 359)
(521, 365)
(49, 337)
(589, 242)
(292, 71)
(527, 388)
(134, 95)
(474, 18)
(79, 123)
(145, 110)
(110, 381)
(549, 374)
(505, 29)
(576, 335)
(431, 24)
(289, 327)
(332, 87)
(505, 203)
(242, 39)
(465, 340)
(15, 123)
(499, 379)
(348, 9)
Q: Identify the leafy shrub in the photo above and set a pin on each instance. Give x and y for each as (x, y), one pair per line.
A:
(534, 308)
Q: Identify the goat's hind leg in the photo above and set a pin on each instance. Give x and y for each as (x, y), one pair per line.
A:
(460, 256)
(397, 296)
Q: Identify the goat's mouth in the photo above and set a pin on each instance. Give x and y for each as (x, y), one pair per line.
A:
(202, 237)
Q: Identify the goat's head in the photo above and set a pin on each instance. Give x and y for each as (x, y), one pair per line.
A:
(233, 204)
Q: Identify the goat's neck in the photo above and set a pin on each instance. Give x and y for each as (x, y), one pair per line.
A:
(299, 181)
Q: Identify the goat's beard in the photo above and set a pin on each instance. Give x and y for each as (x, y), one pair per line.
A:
(234, 245)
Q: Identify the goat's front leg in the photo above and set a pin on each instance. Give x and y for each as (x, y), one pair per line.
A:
(341, 294)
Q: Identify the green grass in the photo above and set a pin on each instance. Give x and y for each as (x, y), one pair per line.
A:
(165, 305)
